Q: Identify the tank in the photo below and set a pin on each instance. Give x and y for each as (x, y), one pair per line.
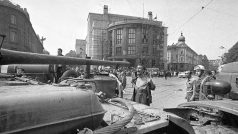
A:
(220, 113)
(89, 105)
(72, 106)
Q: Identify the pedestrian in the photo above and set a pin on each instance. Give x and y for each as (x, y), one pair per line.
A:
(165, 75)
(59, 69)
(189, 86)
(133, 77)
(122, 78)
(189, 75)
(196, 84)
(214, 74)
(119, 88)
(142, 87)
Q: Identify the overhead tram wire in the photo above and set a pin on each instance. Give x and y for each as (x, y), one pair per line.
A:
(192, 17)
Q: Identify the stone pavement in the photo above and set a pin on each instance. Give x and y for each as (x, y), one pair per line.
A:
(168, 93)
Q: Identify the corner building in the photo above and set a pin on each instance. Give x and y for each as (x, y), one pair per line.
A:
(138, 41)
(128, 38)
(181, 57)
(15, 24)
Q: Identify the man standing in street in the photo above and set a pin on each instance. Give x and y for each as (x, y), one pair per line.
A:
(189, 85)
(196, 82)
(142, 87)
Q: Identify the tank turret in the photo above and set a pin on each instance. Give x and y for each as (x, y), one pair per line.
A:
(219, 87)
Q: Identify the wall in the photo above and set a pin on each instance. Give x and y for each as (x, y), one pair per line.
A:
(25, 36)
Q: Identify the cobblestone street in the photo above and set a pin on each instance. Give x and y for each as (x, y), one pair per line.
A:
(168, 93)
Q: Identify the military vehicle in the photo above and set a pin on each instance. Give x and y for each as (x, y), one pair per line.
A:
(219, 113)
(83, 104)
(89, 104)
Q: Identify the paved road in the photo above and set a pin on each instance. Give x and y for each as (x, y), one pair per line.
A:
(168, 93)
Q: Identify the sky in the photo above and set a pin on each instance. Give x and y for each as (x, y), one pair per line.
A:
(205, 29)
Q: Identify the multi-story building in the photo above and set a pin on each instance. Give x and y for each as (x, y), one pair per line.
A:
(80, 48)
(138, 41)
(130, 38)
(181, 57)
(15, 24)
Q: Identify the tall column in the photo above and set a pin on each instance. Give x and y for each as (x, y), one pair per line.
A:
(124, 41)
(113, 42)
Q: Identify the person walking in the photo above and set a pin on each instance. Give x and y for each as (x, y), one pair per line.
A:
(165, 75)
(142, 87)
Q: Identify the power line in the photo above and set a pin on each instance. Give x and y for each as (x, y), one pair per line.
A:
(192, 17)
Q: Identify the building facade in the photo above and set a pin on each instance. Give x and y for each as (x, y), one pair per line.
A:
(181, 57)
(121, 37)
(138, 41)
(80, 48)
(15, 24)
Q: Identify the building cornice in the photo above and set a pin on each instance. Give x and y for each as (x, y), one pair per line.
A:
(17, 7)
(23, 11)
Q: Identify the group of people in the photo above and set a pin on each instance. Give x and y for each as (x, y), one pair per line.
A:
(143, 85)
(196, 87)
(142, 82)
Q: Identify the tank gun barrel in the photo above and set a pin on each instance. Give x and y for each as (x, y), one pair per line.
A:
(17, 57)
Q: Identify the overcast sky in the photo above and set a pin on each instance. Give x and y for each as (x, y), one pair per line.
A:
(205, 30)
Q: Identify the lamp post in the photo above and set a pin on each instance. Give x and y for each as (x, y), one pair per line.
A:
(223, 51)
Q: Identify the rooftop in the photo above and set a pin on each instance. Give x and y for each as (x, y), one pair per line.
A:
(10, 4)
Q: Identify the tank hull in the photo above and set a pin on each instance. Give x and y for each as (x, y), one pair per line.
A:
(48, 109)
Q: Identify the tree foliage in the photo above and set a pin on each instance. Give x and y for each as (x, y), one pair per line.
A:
(205, 62)
(232, 54)
(73, 53)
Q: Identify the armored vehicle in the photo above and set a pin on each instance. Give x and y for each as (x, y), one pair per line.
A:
(75, 105)
(89, 104)
(219, 114)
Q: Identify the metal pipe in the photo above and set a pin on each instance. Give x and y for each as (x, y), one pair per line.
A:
(17, 57)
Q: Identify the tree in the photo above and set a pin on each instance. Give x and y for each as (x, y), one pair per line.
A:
(71, 53)
(205, 62)
(232, 54)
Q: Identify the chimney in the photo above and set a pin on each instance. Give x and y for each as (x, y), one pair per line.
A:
(150, 16)
(105, 9)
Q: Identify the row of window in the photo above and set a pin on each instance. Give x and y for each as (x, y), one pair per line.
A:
(132, 36)
(132, 50)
